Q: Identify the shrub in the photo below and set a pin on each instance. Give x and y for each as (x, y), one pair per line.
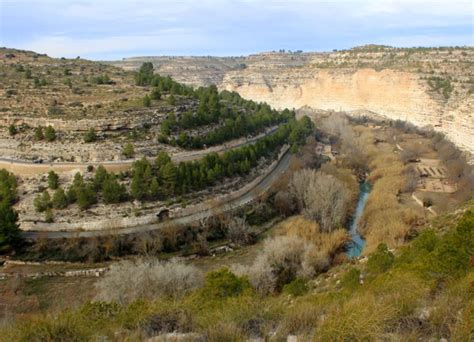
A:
(284, 203)
(12, 130)
(128, 151)
(147, 101)
(155, 94)
(297, 287)
(427, 202)
(381, 260)
(278, 264)
(127, 281)
(64, 327)
(39, 135)
(351, 279)
(238, 231)
(90, 136)
(50, 134)
(86, 196)
(223, 283)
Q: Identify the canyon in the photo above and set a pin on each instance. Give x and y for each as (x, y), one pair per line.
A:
(426, 87)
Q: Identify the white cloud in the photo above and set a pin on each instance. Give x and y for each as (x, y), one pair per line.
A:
(63, 46)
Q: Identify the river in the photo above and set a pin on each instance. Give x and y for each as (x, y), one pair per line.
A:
(357, 242)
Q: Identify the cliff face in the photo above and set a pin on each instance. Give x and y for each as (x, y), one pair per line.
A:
(427, 87)
(393, 94)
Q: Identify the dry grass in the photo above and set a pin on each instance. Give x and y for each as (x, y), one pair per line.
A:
(385, 219)
(326, 243)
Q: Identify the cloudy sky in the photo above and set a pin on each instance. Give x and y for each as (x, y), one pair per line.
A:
(112, 29)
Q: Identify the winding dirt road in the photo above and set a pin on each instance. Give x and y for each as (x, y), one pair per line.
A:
(29, 168)
(259, 189)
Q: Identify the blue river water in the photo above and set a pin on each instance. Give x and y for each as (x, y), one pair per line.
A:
(357, 242)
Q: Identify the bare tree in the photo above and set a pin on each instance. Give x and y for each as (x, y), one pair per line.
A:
(322, 197)
(130, 280)
(238, 231)
(284, 203)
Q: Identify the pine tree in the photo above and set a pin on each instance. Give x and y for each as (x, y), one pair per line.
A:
(128, 151)
(42, 202)
(137, 187)
(49, 216)
(100, 176)
(112, 190)
(10, 235)
(169, 176)
(39, 133)
(86, 196)
(60, 200)
(53, 180)
(50, 134)
(155, 192)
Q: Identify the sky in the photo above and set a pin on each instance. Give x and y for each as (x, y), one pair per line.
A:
(114, 29)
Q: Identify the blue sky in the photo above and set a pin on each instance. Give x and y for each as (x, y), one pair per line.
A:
(112, 29)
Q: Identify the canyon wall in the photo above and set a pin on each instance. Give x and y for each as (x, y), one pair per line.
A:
(390, 93)
(426, 86)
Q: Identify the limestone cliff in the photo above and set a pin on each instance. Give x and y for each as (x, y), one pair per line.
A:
(427, 87)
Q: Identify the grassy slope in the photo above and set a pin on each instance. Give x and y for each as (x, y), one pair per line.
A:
(425, 290)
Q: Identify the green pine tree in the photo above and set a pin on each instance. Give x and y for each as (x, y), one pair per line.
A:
(10, 234)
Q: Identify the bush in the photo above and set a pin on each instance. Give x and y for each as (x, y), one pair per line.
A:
(127, 281)
(90, 136)
(112, 190)
(351, 279)
(39, 135)
(238, 232)
(297, 287)
(223, 283)
(12, 130)
(381, 260)
(128, 151)
(147, 101)
(50, 134)
(278, 264)
(155, 94)
(65, 327)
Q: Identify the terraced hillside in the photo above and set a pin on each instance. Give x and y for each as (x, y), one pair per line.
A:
(96, 147)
